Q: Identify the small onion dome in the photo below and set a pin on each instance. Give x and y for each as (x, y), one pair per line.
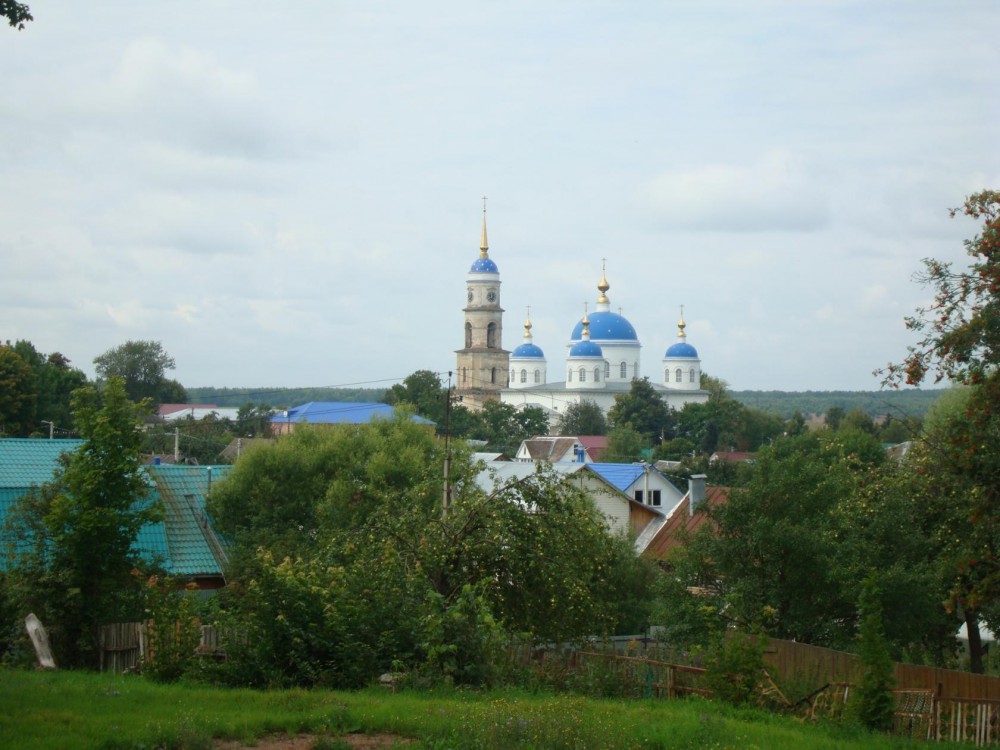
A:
(527, 349)
(682, 348)
(585, 347)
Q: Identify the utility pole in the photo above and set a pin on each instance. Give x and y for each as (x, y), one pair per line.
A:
(446, 501)
(52, 428)
(177, 444)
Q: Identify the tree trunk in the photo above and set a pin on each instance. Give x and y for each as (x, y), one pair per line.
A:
(975, 642)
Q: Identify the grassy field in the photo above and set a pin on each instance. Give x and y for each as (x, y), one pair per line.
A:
(77, 710)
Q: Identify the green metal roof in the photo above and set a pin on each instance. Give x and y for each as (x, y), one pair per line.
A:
(184, 542)
(26, 463)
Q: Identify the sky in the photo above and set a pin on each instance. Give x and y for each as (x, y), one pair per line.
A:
(290, 194)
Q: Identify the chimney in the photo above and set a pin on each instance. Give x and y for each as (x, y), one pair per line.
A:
(696, 493)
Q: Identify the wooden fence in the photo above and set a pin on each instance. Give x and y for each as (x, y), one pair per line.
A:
(124, 646)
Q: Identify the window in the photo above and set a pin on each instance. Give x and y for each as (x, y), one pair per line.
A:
(468, 335)
(623, 371)
(597, 374)
(465, 375)
(583, 375)
(491, 336)
(679, 374)
(638, 495)
(691, 374)
(538, 376)
(654, 497)
(607, 370)
(511, 376)
(666, 376)
(524, 376)
(635, 370)
(569, 375)
(493, 375)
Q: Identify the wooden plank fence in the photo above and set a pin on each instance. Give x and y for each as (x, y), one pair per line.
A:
(124, 646)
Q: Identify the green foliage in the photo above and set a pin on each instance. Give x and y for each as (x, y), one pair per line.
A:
(643, 410)
(625, 445)
(505, 426)
(18, 392)
(961, 327)
(173, 631)
(874, 704)
(83, 526)
(735, 667)
(16, 13)
(583, 418)
(284, 397)
(911, 403)
(461, 640)
(424, 392)
(142, 366)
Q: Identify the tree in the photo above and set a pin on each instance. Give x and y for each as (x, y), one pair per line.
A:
(84, 525)
(625, 445)
(142, 366)
(961, 327)
(505, 426)
(16, 13)
(424, 392)
(18, 392)
(874, 704)
(583, 418)
(644, 410)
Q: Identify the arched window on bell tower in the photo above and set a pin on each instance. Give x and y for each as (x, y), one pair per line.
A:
(491, 336)
(468, 335)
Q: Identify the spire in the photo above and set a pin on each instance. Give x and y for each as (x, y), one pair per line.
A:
(585, 335)
(484, 246)
(527, 326)
(681, 325)
(603, 286)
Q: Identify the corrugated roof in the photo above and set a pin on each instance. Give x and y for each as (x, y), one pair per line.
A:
(27, 462)
(622, 476)
(193, 547)
(184, 542)
(682, 522)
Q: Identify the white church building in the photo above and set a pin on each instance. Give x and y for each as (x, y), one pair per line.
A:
(602, 355)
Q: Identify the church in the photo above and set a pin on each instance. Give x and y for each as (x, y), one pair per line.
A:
(602, 354)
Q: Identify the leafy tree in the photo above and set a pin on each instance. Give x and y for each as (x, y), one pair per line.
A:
(625, 445)
(16, 13)
(142, 366)
(424, 392)
(84, 524)
(18, 392)
(252, 420)
(644, 410)
(289, 496)
(583, 418)
(506, 426)
(833, 417)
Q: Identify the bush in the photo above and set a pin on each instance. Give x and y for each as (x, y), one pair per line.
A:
(735, 665)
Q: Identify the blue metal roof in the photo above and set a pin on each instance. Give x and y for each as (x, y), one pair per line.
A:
(484, 265)
(622, 476)
(606, 326)
(682, 349)
(586, 349)
(338, 412)
(528, 351)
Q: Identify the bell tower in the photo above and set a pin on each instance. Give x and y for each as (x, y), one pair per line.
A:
(483, 364)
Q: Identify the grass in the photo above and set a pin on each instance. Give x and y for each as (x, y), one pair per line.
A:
(68, 710)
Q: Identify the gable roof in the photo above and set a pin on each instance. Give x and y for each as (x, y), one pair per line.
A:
(184, 542)
(595, 445)
(682, 522)
(551, 449)
(338, 412)
(623, 476)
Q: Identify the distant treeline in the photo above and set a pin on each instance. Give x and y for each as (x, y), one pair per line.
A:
(901, 403)
(908, 403)
(281, 397)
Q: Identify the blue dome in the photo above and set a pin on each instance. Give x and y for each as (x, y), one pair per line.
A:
(606, 326)
(586, 349)
(528, 350)
(484, 265)
(682, 349)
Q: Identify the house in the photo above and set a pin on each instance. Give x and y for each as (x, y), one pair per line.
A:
(173, 412)
(642, 482)
(184, 542)
(689, 515)
(623, 513)
(333, 412)
(556, 449)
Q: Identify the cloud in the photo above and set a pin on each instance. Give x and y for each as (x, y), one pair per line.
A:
(774, 193)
